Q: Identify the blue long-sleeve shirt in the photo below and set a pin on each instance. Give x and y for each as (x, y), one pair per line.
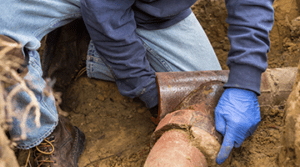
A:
(112, 24)
(249, 24)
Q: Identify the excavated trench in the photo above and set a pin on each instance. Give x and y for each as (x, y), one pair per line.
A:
(118, 129)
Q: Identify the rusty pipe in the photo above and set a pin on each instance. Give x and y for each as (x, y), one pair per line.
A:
(173, 87)
(187, 102)
(194, 116)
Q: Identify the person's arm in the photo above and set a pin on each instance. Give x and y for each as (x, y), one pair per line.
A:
(237, 114)
(112, 26)
(249, 24)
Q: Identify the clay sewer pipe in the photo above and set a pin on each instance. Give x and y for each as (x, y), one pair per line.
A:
(186, 135)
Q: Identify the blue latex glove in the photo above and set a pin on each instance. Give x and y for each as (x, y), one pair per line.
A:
(237, 116)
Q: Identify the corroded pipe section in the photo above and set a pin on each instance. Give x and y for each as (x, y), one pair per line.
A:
(186, 114)
(173, 87)
(194, 116)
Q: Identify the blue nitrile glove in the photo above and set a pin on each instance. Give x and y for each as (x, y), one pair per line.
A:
(237, 116)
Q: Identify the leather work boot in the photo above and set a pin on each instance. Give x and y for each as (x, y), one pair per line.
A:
(61, 148)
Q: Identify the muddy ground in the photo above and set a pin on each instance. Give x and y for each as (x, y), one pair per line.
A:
(118, 128)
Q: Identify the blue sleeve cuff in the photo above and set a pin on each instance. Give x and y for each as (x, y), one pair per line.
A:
(244, 77)
(150, 96)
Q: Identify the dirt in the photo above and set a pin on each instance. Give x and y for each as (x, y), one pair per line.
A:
(284, 50)
(265, 146)
(118, 128)
(290, 152)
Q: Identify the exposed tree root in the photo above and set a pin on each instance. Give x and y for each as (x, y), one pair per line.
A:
(8, 77)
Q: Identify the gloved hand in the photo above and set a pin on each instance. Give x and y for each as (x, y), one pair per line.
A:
(237, 116)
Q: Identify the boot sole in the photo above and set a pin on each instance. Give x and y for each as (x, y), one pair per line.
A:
(81, 142)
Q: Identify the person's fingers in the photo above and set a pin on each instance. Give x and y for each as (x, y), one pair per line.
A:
(239, 140)
(220, 121)
(226, 148)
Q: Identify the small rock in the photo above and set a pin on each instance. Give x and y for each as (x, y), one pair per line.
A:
(226, 47)
(141, 110)
(100, 97)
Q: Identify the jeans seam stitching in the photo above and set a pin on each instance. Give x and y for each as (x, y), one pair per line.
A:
(103, 60)
(34, 66)
(43, 101)
(92, 64)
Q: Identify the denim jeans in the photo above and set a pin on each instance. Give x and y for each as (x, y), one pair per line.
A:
(181, 47)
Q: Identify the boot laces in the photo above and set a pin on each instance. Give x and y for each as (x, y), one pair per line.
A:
(45, 149)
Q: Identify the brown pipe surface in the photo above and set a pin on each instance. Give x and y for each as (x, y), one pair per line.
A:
(193, 96)
(194, 116)
(173, 87)
(173, 149)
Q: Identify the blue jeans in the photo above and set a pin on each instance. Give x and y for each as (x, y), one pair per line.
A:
(181, 47)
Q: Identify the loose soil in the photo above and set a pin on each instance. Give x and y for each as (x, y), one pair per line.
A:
(118, 128)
